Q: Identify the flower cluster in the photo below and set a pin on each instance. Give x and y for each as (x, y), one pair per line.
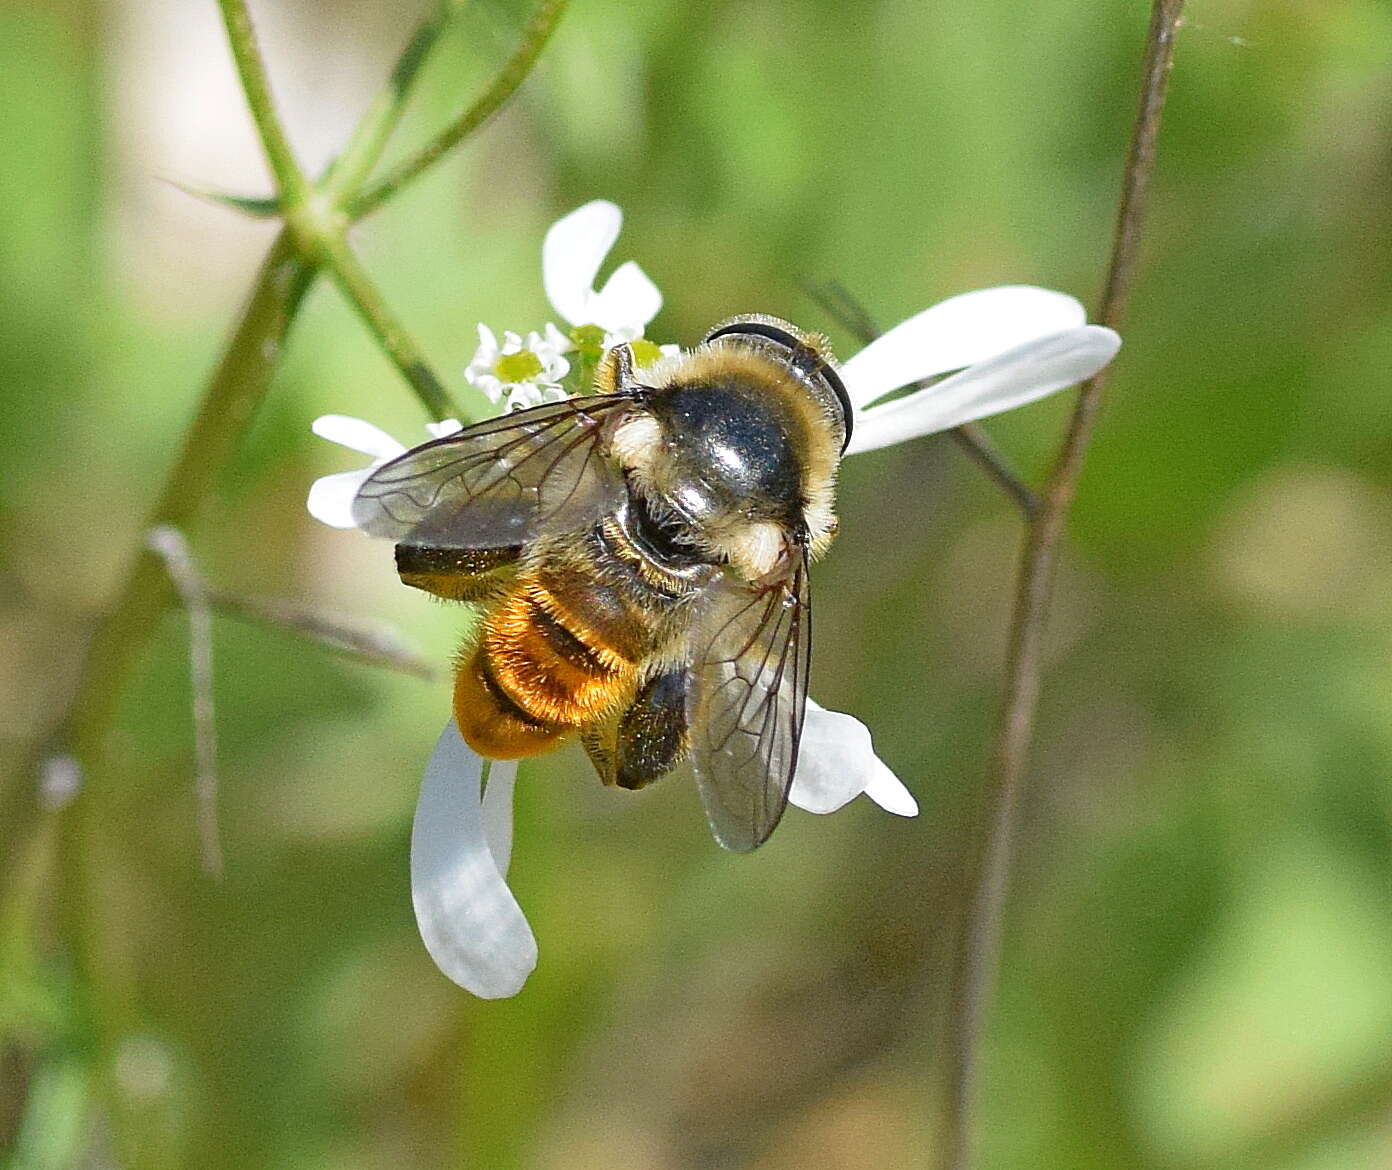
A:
(523, 372)
(998, 348)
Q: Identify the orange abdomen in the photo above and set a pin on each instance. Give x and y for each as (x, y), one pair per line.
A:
(558, 652)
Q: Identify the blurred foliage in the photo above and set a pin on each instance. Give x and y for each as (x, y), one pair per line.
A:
(1199, 956)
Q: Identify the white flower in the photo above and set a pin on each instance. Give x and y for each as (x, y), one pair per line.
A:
(571, 255)
(519, 373)
(1008, 346)
(999, 348)
(331, 496)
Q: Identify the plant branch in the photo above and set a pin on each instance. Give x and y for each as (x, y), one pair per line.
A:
(377, 646)
(171, 547)
(62, 805)
(845, 308)
(355, 284)
(979, 448)
(989, 865)
(503, 86)
(364, 150)
(290, 181)
(233, 394)
(243, 376)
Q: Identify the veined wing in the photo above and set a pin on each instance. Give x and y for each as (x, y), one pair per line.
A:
(501, 482)
(752, 654)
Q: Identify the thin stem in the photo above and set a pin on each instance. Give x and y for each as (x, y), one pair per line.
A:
(376, 646)
(979, 448)
(355, 284)
(312, 216)
(233, 394)
(171, 547)
(503, 86)
(81, 820)
(290, 180)
(236, 389)
(843, 306)
(978, 955)
(364, 150)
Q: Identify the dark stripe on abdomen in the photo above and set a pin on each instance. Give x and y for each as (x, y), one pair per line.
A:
(565, 643)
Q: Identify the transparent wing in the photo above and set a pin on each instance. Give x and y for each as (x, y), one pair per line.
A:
(498, 483)
(745, 708)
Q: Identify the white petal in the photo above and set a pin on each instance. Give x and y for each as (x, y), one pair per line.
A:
(497, 812)
(444, 428)
(488, 343)
(619, 336)
(558, 340)
(955, 333)
(1027, 372)
(571, 254)
(522, 395)
(628, 300)
(331, 496)
(469, 920)
(888, 791)
(481, 376)
(836, 762)
(357, 435)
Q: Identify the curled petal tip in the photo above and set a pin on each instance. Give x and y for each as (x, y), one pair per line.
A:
(956, 333)
(468, 919)
(836, 761)
(888, 791)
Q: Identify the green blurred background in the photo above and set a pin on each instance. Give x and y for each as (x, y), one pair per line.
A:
(1198, 958)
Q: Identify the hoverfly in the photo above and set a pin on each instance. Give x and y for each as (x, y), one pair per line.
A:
(641, 556)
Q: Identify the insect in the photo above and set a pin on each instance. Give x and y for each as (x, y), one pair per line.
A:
(641, 555)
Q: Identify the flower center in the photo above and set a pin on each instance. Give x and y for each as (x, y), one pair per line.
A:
(645, 352)
(521, 366)
(589, 340)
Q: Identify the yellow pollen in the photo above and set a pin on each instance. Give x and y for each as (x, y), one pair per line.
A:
(521, 366)
(589, 340)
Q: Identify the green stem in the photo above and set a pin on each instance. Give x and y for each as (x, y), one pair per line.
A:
(290, 180)
(990, 852)
(504, 85)
(236, 389)
(100, 943)
(364, 149)
(355, 284)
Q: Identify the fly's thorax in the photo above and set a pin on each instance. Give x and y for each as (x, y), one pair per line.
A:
(728, 455)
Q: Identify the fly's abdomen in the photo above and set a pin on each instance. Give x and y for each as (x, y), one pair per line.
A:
(559, 651)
